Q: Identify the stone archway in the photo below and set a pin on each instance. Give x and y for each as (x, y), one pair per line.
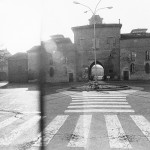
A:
(100, 70)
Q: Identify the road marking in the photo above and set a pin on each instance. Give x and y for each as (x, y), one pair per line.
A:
(143, 124)
(30, 112)
(98, 103)
(22, 112)
(76, 100)
(80, 134)
(98, 98)
(9, 121)
(101, 106)
(51, 129)
(116, 134)
(17, 132)
(98, 110)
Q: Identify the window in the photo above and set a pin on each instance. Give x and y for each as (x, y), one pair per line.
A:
(147, 55)
(147, 68)
(132, 68)
(111, 41)
(133, 56)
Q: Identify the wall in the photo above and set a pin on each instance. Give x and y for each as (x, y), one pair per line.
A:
(108, 47)
(18, 68)
(60, 61)
(139, 46)
(33, 65)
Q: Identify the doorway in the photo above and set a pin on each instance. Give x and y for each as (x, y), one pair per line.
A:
(126, 75)
(96, 70)
(70, 77)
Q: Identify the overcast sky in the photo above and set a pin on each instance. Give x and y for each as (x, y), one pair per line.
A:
(25, 22)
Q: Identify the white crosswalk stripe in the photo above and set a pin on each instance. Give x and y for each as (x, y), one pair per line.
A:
(143, 124)
(19, 130)
(101, 106)
(51, 130)
(98, 110)
(115, 132)
(80, 132)
(100, 96)
(9, 121)
(91, 102)
(78, 100)
(81, 103)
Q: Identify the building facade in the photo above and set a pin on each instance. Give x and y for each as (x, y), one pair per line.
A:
(4, 55)
(34, 63)
(135, 55)
(120, 56)
(58, 60)
(18, 68)
(107, 48)
(123, 56)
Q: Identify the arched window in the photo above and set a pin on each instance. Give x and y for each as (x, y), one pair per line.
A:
(147, 68)
(147, 55)
(132, 68)
(51, 71)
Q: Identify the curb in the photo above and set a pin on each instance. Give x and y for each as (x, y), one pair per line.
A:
(81, 88)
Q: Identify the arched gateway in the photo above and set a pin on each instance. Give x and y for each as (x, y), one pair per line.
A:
(98, 70)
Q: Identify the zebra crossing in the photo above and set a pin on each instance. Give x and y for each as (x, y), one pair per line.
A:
(116, 126)
(93, 102)
(82, 131)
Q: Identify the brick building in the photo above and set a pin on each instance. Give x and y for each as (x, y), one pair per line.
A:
(107, 48)
(123, 56)
(58, 60)
(4, 55)
(18, 68)
(33, 62)
(135, 55)
(120, 56)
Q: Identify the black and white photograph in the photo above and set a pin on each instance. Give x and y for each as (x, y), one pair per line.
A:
(74, 75)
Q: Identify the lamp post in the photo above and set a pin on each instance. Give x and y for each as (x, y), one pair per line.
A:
(94, 13)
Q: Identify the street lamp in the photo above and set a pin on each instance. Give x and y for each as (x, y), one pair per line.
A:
(94, 13)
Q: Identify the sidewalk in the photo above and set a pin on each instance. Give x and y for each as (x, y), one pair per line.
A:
(3, 83)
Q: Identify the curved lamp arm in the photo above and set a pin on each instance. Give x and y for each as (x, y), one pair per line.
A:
(96, 6)
(100, 9)
(75, 2)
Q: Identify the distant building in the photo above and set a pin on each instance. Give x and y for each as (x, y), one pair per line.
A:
(61, 59)
(107, 48)
(18, 68)
(4, 55)
(58, 58)
(135, 55)
(122, 56)
(33, 56)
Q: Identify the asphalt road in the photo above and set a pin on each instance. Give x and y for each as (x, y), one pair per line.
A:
(76, 120)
